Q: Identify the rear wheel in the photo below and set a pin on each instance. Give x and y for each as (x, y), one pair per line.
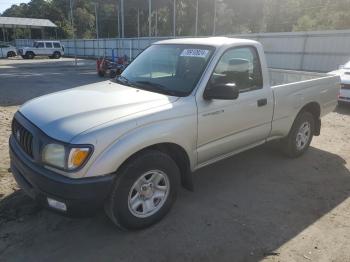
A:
(300, 136)
(112, 73)
(11, 54)
(144, 191)
(101, 73)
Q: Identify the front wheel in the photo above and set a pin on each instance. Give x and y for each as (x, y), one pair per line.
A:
(30, 55)
(56, 55)
(144, 191)
(300, 136)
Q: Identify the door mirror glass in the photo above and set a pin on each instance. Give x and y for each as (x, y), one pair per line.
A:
(221, 91)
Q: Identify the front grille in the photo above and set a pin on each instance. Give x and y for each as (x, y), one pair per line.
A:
(345, 86)
(23, 137)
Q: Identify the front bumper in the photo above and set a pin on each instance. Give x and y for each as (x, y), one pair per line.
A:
(81, 196)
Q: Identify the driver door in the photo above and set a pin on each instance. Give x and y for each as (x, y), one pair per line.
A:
(228, 126)
(39, 48)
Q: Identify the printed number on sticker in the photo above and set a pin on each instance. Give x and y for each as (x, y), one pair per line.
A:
(195, 52)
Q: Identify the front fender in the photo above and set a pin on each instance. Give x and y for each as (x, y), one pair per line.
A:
(181, 131)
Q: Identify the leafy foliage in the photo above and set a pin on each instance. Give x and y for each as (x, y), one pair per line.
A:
(232, 17)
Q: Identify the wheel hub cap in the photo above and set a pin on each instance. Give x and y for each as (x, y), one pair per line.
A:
(147, 190)
(303, 135)
(149, 193)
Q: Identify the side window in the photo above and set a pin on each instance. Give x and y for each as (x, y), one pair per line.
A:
(39, 45)
(239, 66)
(56, 45)
(48, 45)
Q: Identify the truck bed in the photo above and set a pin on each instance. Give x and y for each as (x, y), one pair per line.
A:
(281, 77)
(294, 89)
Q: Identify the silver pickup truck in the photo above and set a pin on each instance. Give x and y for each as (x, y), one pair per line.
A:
(182, 104)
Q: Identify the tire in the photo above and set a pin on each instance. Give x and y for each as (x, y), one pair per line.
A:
(101, 73)
(134, 193)
(11, 54)
(24, 57)
(56, 55)
(30, 55)
(112, 73)
(300, 136)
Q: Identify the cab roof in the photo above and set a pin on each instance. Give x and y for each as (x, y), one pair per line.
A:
(209, 41)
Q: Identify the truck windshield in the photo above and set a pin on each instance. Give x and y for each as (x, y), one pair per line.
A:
(347, 65)
(168, 69)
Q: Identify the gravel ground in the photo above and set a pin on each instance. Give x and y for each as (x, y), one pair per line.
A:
(256, 206)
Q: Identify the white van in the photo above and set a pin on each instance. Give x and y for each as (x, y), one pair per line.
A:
(52, 49)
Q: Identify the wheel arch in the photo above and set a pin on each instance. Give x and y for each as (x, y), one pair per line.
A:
(315, 109)
(30, 52)
(178, 154)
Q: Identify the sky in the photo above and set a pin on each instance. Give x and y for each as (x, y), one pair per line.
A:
(4, 4)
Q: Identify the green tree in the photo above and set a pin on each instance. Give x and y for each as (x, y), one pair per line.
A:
(233, 16)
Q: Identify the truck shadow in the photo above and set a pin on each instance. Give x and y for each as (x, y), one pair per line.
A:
(242, 208)
(21, 82)
(343, 109)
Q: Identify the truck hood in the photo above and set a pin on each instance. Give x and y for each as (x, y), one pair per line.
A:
(65, 114)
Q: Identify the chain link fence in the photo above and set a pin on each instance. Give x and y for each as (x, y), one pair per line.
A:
(308, 51)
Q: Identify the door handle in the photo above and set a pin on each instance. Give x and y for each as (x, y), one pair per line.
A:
(262, 102)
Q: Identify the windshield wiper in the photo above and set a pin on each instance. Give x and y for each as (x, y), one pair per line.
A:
(158, 88)
(123, 80)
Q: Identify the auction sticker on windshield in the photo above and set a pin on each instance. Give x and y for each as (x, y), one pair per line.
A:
(195, 52)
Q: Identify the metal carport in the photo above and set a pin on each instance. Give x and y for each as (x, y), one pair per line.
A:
(25, 23)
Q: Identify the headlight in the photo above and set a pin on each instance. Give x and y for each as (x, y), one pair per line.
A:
(69, 159)
(54, 154)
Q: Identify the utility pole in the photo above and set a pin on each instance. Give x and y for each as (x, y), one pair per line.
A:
(149, 18)
(3, 33)
(97, 33)
(118, 18)
(96, 19)
(138, 22)
(196, 31)
(214, 25)
(122, 14)
(174, 18)
(156, 31)
(73, 29)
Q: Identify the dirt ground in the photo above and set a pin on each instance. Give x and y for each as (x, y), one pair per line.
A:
(256, 206)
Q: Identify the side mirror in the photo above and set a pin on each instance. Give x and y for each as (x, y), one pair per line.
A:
(227, 91)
